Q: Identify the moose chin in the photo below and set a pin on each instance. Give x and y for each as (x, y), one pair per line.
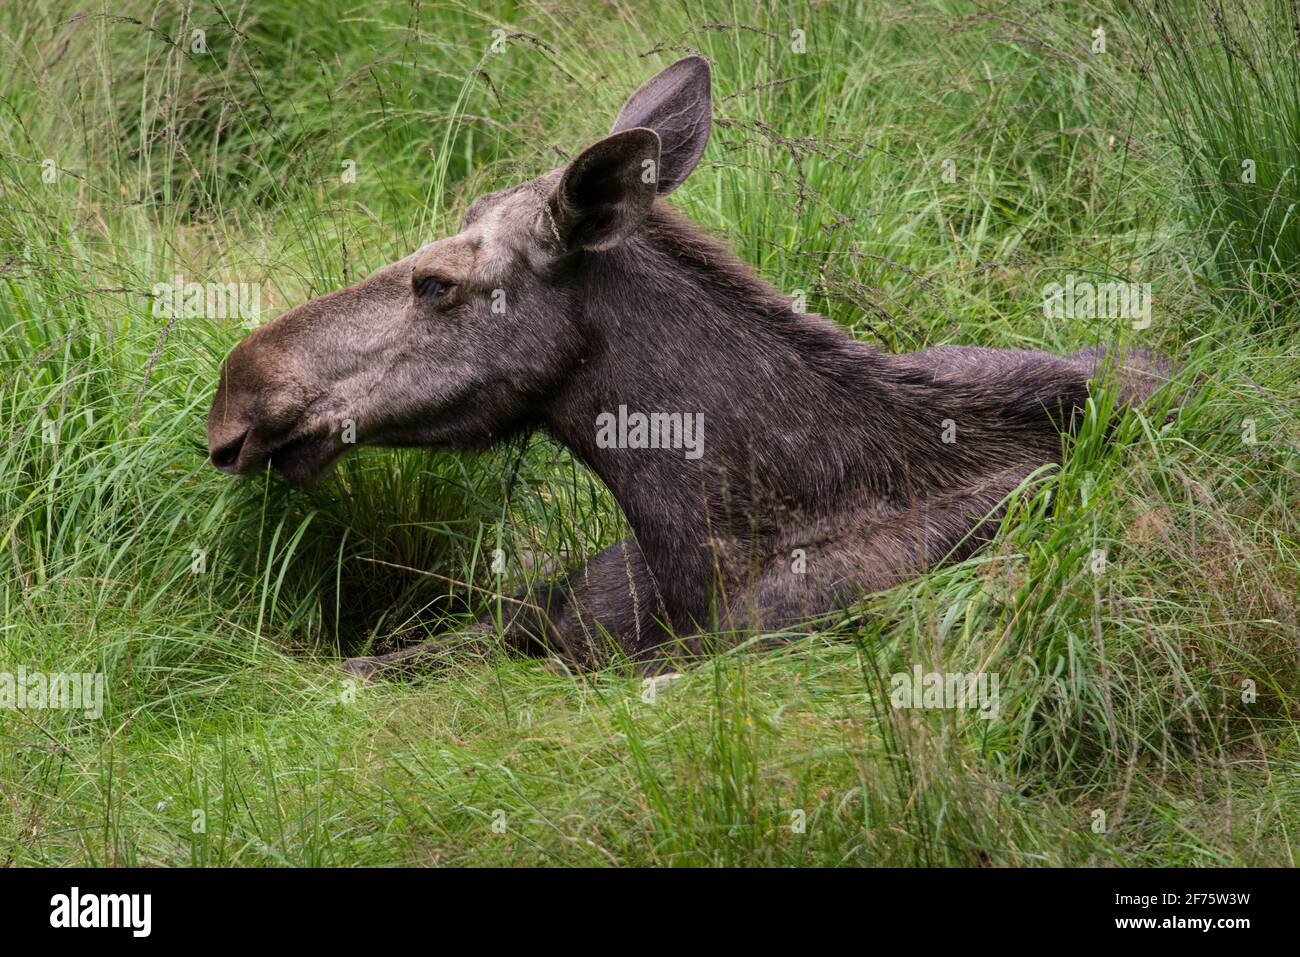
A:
(830, 469)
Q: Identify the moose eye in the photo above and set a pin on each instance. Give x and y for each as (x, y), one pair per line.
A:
(434, 287)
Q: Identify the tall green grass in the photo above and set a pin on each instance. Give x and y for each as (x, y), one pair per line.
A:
(217, 609)
(1228, 75)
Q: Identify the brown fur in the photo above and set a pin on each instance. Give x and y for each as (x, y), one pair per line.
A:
(814, 444)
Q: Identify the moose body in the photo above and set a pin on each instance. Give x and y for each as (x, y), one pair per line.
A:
(826, 469)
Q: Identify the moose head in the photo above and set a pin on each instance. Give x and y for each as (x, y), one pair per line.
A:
(465, 340)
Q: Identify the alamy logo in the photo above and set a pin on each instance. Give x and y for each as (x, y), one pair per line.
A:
(37, 691)
(208, 300)
(656, 430)
(934, 689)
(1083, 299)
(103, 910)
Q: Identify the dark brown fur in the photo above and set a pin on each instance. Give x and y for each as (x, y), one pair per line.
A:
(824, 473)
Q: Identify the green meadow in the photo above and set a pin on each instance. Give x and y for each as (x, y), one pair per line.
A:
(919, 171)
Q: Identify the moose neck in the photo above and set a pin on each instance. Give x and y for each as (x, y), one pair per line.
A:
(796, 415)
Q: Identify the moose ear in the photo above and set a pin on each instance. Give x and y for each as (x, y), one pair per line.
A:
(606, 191)
(678, 105)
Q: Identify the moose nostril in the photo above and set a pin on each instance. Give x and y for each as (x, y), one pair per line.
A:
(227, 455)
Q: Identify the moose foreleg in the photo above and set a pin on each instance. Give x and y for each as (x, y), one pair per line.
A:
(606, 606)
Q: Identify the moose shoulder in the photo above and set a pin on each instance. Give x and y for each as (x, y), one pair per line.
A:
(770, 466)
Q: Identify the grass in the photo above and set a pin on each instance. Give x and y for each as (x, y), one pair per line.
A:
(1236, 119)
(921, 172)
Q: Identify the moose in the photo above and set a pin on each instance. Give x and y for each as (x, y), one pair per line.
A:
(822, 468)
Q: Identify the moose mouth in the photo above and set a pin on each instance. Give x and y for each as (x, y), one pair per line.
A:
(301, 459)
